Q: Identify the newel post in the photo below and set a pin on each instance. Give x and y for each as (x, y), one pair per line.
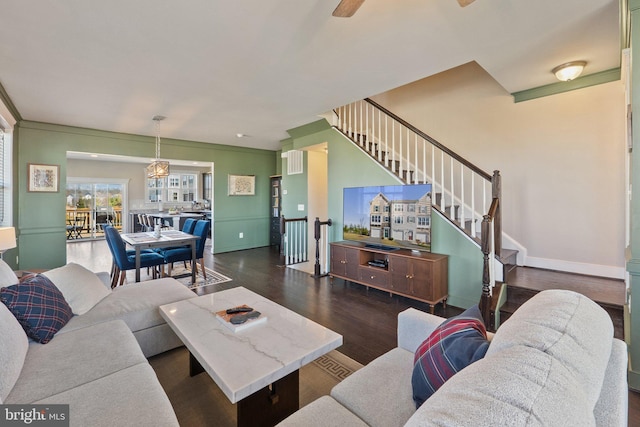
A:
(485, 299)
(496, 193)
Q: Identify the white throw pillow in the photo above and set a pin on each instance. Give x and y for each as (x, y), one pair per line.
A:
(81, 288)
(7, 275)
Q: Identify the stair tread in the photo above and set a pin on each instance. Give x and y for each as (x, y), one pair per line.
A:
(600, 289)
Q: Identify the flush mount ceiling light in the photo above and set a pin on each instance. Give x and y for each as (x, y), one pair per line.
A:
(158, 168)
(569, 71)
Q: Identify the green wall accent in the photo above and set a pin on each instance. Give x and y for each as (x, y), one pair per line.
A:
(349, 166)
(560, 87)
(41, 216)
(465, 261)
(632, 328)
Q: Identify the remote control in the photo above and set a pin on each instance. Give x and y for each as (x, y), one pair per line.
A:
(241, 318)
(239, 310)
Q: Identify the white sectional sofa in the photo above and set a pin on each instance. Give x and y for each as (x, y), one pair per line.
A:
(97, 362)
(554, 362)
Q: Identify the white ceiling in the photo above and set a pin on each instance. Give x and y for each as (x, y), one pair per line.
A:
(216, 68)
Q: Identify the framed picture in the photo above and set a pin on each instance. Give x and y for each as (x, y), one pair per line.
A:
(43, 178)
(242, 185)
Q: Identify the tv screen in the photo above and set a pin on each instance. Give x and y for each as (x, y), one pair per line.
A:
(389, 216)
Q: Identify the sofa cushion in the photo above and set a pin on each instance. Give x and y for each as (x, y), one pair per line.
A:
(75, 358)
(380, 393)
(13, 350)
(451, 347)
(38, 305)
(131, 396)
(81, 287)
(323, 412)
(520, 386)
(135, 303)
(568, 326)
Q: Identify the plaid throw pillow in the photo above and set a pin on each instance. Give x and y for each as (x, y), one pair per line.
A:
(455, 344)
(38, 305)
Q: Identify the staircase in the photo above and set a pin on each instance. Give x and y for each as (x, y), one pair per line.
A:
(463, 193)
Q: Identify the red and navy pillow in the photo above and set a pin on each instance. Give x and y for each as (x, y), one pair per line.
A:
(38, 305)
(455, 344)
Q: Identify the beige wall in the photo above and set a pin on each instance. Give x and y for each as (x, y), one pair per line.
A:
(561, 158)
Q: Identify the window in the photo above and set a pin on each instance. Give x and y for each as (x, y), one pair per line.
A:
(6, 189)
(398, 207)
(7, 122)
(398, 220)
(375, 219)
(423, 221)
(179, 188)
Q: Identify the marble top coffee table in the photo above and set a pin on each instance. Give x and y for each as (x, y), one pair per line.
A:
(256, 367)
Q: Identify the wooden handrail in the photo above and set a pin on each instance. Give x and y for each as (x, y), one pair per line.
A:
(423, 135)
(284, 221)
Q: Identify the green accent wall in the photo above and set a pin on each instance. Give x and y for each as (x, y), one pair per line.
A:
(632, 327)
(294, 187)
(349, 166)
(465, 261)
(40, 219)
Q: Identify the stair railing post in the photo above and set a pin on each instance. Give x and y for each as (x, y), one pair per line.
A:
(317, 234)
(496, 190)
(485, 299)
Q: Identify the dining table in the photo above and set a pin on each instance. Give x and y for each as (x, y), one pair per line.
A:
(167, 238)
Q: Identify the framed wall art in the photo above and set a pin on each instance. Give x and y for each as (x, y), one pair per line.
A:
(242, 185)
(43, 178)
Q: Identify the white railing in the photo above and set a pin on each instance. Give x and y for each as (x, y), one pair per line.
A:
(460, 189)
(294, 240)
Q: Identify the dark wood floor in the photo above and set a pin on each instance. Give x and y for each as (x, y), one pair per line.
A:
(367, 319)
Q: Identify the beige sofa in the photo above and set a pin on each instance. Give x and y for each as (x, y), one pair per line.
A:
(554, 362)
(97, 362)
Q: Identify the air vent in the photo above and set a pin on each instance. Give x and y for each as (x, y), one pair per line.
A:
(294, 162)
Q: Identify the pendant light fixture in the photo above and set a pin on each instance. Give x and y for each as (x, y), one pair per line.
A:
(158, 168)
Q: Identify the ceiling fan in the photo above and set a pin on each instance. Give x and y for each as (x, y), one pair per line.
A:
(347, 8)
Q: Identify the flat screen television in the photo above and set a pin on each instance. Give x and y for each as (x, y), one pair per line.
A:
(388, 216)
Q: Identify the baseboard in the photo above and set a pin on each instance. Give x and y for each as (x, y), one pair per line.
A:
(609, 271)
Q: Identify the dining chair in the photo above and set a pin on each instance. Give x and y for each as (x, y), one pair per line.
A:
(75, 227)
(126, 260)
(115, 271)
(172, 255)
(189, 225)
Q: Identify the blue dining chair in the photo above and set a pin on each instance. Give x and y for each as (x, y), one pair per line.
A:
(114, 273)
(189, 225)
(127, 261)
(172, 255)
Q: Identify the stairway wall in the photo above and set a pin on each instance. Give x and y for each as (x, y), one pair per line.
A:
(348, 166)
(561, 158)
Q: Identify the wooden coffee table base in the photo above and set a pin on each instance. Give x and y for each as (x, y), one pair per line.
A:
(266, 407)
